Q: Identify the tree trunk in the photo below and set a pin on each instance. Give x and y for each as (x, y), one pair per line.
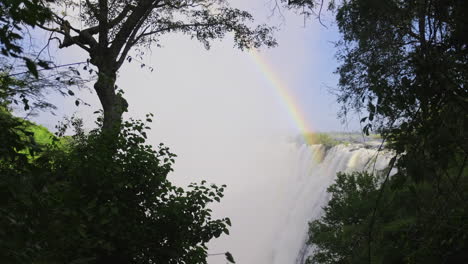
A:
(113, 104)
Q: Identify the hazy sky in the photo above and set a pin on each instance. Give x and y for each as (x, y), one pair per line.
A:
(192, 89)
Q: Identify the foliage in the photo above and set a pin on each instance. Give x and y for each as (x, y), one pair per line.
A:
(24, 139)
(406, 228)
(322, 139)
(404, 67)
(340, 235)
(14, 13)
(405, 63)
(331, 139)
(90, 204)
(10, 136)
(26, 81)
(102, 198)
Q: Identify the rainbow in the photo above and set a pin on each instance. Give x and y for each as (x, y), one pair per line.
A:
(286, 96)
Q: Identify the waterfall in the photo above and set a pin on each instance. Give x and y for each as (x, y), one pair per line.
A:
(306, 195)
(270, 208)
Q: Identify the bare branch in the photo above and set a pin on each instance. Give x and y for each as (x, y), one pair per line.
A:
(140, 12)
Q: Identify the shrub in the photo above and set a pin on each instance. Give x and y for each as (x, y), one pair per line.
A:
(93, 204)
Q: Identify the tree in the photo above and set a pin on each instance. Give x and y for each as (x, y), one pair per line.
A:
(406, 226)
(115, 27)
(75, 200)
(405, 63)
(404, 67)
(340, 235)
(72, 202)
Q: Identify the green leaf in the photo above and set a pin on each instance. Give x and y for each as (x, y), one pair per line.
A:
(32, 68)
(229, 257)
(43, 64)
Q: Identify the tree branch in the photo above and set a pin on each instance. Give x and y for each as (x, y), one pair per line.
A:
(143, 7)
(103, 23)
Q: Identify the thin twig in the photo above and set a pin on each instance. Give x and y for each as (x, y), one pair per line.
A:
(50, 68)
(319, 15)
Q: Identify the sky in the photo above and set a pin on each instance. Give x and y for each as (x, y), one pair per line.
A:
(227, 89)
(210, 102)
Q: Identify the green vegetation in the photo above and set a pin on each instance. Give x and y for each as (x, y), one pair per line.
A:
(91, 204)
(38, 135)
(322, 139)
(404, 65)
(104, 196)
(332, 139)
(91, 198)
(406, 226)
(42, 135)
(35, 137)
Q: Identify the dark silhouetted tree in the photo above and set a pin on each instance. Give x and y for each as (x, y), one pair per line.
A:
(404, 67)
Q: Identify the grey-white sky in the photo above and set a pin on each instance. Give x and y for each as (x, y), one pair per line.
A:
(224, 89)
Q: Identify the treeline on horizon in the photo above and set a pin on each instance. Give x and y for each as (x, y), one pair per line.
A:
(104, 197)
(331, 139)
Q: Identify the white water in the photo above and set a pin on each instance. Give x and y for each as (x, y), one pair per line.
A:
(286, 188)
(316, 170)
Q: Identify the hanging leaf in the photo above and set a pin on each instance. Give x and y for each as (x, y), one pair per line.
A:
(32, 68)
(229, 257)
(43, 64)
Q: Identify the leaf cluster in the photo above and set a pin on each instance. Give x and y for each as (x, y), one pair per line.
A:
(412, 223)
(404, 68)
(13, 15)
(87, 203)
